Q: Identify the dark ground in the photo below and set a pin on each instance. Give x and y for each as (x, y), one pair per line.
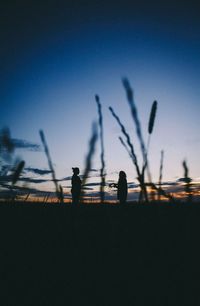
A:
(100, 255)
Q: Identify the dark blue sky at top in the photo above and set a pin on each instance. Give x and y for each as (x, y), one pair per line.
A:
(33, 29)
(46, 46)
(52, 41)
(41, 35)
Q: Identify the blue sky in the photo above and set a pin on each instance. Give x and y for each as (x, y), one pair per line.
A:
(54, 62)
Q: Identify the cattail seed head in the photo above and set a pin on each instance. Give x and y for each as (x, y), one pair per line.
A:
(97, 98)
(152, 117)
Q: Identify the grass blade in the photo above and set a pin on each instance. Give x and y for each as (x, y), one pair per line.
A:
(161, 192)
(102, 171)
(187, 181)
(134, 113)
(46, 149)
(126, 147)
(17, 172)
(88, 160)
(131, 154)
(150, 130)
(6, 142)
(161, 172)
(128, 140)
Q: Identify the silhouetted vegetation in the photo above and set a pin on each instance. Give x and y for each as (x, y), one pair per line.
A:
(58, 188)
(98, 246)
(131, 154)
(150, 130)
(88, 160)
(134, 113)
(160, 173)
(144, 150)
(102, 171)
(187, 180)
(17, 172)
(16, 167)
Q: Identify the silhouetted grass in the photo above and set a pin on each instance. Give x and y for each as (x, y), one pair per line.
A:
(128, 140)
(152, 117)
(60, 194)
(27, 196)
(88, 160)
(134, 113)
(126, 147)
(161, 192)
(102, 171)
(160, 172)
(150, 130)
(17, 172)
(7, 147)
(15, 177)
(57, 187)
(6, 141)
(131, 154)
(187, 181)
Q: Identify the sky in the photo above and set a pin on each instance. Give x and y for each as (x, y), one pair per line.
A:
(56, 56)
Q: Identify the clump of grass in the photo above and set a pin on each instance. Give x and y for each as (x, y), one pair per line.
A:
(15, 177)
(46, 149)
(102, 171)
(27, 196)
(61, 195)
(162, 192)
(187, 180)
(128, 140)
(134, 113)
(46, 197)
(150, 130)
(131, 153)
(6, 151)
(160, 172)
(158, 188)
(88, 160)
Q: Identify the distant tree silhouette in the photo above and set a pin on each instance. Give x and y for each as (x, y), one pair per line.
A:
(76, 186)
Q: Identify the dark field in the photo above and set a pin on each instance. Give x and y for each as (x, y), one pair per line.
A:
(100, 255)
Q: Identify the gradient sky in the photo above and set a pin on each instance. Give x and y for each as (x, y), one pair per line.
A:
(55, 57)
